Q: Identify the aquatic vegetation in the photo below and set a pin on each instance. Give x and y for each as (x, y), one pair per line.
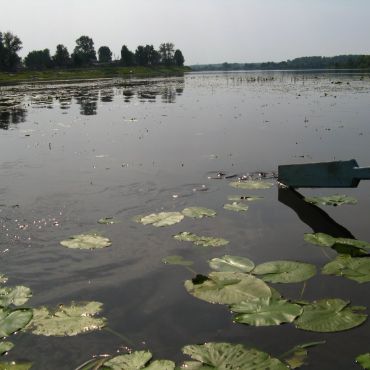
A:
(17, 296)
(231, 264)
(236, 207)
(364, 360)
(238, 198)
(298, 355)
(86, 241)
(251, 184)
(198, 212)
(333, 200)
(108, 221)
(204, 241)
(5, 347)
(12, 320)
(176, 260)
(330, 315)
(67, 320)
(161, 219)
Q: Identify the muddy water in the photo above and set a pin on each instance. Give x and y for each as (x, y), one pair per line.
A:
(74, 153)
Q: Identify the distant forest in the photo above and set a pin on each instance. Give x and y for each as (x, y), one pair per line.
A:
(84, 55)
(316, 62)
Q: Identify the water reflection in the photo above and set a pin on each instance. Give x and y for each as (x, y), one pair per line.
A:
(15, 100)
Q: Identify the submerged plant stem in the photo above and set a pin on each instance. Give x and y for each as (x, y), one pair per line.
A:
(119, 335)
(303, 288)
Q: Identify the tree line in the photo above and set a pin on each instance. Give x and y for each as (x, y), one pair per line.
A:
(84, 55)
(314, 62)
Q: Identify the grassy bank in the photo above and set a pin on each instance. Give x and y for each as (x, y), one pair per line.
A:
(89, 73)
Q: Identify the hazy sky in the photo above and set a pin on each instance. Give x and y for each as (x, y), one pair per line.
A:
(207, 31)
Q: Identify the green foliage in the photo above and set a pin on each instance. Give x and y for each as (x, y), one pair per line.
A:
(17, 296)
(108, 221)
(364, 360)
(236, 207)
(231, 264)
(198, 212)
(15, 366)
(5, 347)
(10, 45)
(13, 320)
(105, 54)
(86, 241)
(84, 52)
(178, 58)
(161, 219)
(127, 57)
(176, 260)
(333, 200)
(38, 59)
(166, 51)
(204, 241)
(61, 57)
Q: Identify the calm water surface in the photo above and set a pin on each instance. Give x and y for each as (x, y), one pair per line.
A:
(74, 153)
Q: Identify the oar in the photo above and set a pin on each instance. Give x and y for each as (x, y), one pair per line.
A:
(338, 174)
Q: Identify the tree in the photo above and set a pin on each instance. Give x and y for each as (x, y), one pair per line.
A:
(38, 59)
(152, 56)
(84, 52)
(178, 58)
(166, 51)
(140, 56)
(105, 55)
(10, 45)
(127, 57)
(61, 57)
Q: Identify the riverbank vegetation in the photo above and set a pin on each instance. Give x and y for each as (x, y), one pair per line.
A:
(84, 62)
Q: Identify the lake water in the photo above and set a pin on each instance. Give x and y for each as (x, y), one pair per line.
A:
(71, 154)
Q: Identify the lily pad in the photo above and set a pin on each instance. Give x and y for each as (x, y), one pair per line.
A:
(67, 320)
(364, 360)
(333, 200)
(231, 264)
(321, 239)
(108, 221)
(17, 296)
(138, 360)
(162, 219)
(3, 279)
(285, 271)
(299, 354)
(266, 312)
(15, 366)
(86, 241)
(13, 320)
(353, 268)
(176, 260)
(251, 184)
(228, 288)
(198, 212)
(204, 241)
(238, 198)
(236, 207)
(330, 315)
(5, 347)
(227, 356)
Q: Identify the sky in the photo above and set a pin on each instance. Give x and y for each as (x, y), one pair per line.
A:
(206, 31)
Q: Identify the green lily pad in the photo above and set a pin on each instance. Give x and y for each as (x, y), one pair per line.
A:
(321, 239)
(86, 241)
(353, 268)
(285, 271)
(5, 347)
(236, 207)
(162, 219)
(3, 279)
(238, 198)
(227, 356)
(198, 212)
(251, 184)
(204, 241)
(108, 221)
(176, 260)
(138, 360)
(13, 320)
(266, 312)
(228, 288)
(17, 296)
(67, 320)
(329, 315)
(231, 264)
(15, 365)
(333, 200)
(299, 354)
(364, 360)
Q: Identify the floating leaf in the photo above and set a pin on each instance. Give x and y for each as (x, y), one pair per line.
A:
(231, 264)
(15, 366)
(204, 241)
(67, 320)
(86, 241)
(227, 356)
(364, 360)
(108, 221)
(198, 212)
(176, 260)
(228, 288)
(266, 312)
(5, 347)
(162, 219)
(238, 198)
(299, 354)
(251, 184)
(329, 315)
(17, 296)
(3, 279)
(236, 207)
(13, 320)
(326, 240)
(285, 271)
(353, 268)
(333, 200)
